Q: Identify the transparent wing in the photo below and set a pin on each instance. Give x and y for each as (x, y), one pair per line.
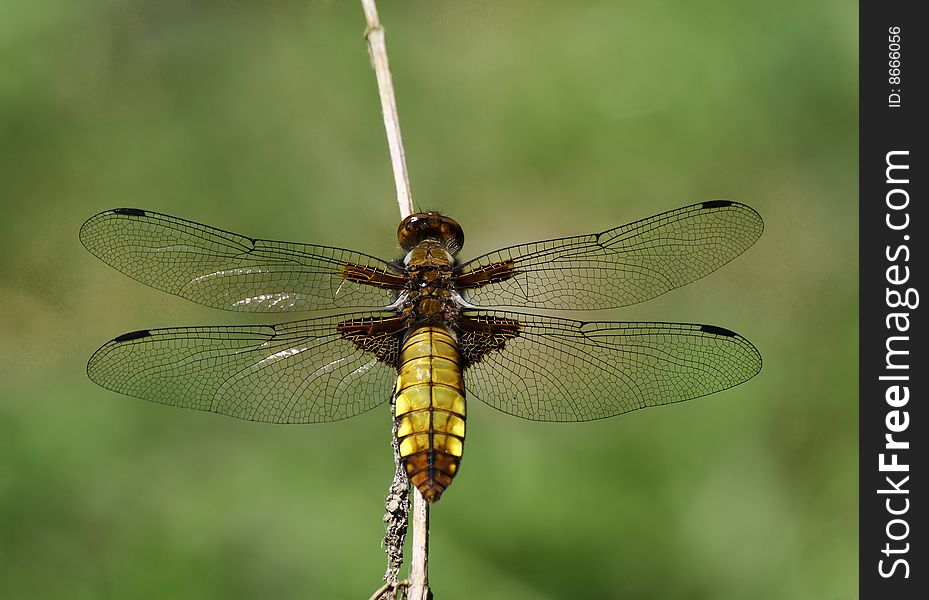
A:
(300, 372)
(618, 267)
(565, 370)
(230, 271)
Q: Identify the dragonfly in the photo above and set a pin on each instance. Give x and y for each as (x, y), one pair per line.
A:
(426, 329)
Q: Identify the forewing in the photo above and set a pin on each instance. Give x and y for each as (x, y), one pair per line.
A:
(300, 372)
(618, 267)
(564, 370)
(234, 272)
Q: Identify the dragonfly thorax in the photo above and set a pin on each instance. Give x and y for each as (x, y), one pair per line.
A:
(429, 253)
(431, 305)
(430, 283)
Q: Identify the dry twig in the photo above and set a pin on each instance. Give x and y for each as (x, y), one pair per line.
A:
(378, 49)
(398, 496)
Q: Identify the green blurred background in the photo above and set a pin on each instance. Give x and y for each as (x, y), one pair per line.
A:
(522, 119)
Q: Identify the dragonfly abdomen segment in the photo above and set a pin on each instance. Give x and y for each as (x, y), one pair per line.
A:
(430, 409)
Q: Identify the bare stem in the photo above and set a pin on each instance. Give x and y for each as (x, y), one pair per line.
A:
(419, 568)
(397, 509)
(378, 49)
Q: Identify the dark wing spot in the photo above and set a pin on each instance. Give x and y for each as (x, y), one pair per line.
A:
(132, 335)
(135, 212)
(717, 330)
(717, 204)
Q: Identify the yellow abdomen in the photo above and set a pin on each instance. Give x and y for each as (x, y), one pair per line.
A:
(430, 409)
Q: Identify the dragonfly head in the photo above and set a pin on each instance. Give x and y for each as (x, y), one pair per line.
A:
(430, 226)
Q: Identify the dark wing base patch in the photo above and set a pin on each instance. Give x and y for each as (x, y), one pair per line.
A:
(380, 337)
(481, 334)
